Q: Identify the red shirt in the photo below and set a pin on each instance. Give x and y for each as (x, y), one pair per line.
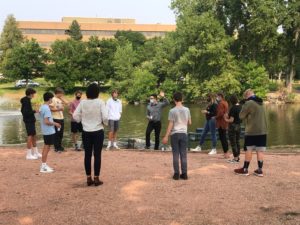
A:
(222, 109)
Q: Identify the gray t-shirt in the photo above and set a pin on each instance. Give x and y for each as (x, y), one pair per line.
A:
(180, 116)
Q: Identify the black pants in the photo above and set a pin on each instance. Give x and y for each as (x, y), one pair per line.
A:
(92, 142)
(223, 139)
(234, 133)
(156, 126)
(59, 135)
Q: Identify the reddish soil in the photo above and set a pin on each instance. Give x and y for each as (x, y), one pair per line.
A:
(138, 189)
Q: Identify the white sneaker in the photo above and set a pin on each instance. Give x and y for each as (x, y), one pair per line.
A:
(116, 146)
(197, 149)
(46, 169)
(30, 156)
(108, 147)
(213, 152)
(37, 154)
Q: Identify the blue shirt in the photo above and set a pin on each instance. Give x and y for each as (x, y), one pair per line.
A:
(45, 112)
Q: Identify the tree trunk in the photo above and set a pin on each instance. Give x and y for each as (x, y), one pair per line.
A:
(290, 78)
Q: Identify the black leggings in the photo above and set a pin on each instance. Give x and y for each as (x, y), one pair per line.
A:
(223, 139)
(92, 142)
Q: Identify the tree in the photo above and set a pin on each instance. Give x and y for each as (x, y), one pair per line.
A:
(24, 61)
(291, 29)
(66, 63)
(137, 39)
(11, 35)
(141, 86)
(74, 31)
(98, 59)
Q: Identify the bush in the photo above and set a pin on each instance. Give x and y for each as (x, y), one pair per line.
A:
(273, 86)
(141, 86)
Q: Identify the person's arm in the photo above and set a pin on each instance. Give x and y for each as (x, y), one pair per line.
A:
(54, 109)
(49, 123)
(228, 119)
(245, 111)
(104, 114)
(77, 115)
(168, 132)
(121, 110)
(190, 118)
(220, 111)
(27, 109)
(71, 109)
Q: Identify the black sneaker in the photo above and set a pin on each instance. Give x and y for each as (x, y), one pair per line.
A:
(176, 176)
(184, 176)
(146, 147)
(258, 173)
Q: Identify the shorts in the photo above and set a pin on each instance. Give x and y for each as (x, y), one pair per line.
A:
(49, 139)
(76, 127)
(113, 125)
(30, 129)
(256, 143)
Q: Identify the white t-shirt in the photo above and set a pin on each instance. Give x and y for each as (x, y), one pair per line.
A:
(114, 108)
(92, 113)
(180, 117)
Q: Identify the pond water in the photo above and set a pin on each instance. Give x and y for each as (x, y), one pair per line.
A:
(283, 123)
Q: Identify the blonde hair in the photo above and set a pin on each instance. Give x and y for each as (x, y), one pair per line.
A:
(248, 92)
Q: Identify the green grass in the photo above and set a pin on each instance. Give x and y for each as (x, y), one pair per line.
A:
(9, 90)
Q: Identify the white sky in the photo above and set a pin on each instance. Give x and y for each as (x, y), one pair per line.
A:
(144, 11)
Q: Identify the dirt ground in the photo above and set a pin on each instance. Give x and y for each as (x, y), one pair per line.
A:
(138, 189)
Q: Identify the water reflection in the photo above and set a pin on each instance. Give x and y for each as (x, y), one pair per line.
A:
(283, 124)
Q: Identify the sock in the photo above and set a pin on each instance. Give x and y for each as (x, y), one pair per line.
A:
(109, 143)
(246, 165)
(260, 165)
(29, 151)
(115, 143)
(34, 148)
(44, 164)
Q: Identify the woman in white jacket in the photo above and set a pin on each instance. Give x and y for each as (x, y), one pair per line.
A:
(92, 113)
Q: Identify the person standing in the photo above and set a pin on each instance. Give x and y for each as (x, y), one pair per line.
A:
(75, 127)
(114, 107)
(57, 109)
(48, 131)
(154, 111)
(253, 113)
(234, 129)
(210, 124)
(179, 119)
(222, 125)
(92, 113)
(29, 121)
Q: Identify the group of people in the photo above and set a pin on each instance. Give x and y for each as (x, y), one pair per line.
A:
(228, 121)
(91, 115)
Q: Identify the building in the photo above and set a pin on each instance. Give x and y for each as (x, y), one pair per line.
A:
(47, 32)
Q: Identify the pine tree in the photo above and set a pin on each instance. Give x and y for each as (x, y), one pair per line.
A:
(74, 31)
(11, 35)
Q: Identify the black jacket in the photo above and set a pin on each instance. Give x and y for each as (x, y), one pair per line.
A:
(27, 111)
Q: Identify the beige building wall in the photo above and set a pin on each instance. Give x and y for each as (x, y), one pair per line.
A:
(47, 32)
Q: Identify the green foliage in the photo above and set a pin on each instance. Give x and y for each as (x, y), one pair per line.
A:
(169, 87)
(11, 35)
(67, 60)
(137, 39)
(24, 61)
(225, 83)
(141, 86)
(124, 62)
(98, 59)
(74, 31)
(255, 77)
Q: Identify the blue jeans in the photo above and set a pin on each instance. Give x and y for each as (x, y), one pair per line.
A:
(210, 125)
(179, 145)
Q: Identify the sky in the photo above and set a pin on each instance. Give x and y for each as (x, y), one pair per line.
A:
(144, 11)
